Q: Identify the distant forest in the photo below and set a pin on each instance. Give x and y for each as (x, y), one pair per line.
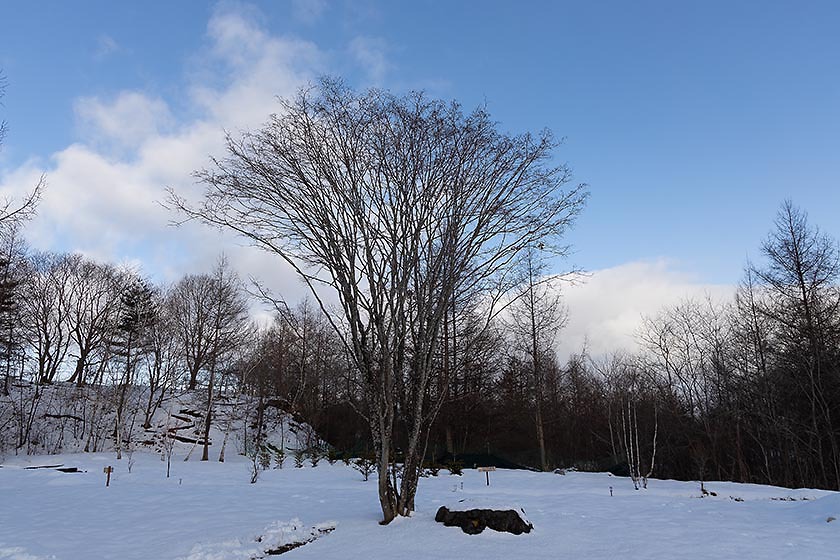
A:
(745, 390)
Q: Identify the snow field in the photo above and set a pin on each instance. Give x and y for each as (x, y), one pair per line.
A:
(210, 511)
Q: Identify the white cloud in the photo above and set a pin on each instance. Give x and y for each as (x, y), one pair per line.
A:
(369, 53)
(308, 11)
(260, 67)
(605, 309)
(129, 119)
(104, 192)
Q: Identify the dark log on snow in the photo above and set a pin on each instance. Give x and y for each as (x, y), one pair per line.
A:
(474, 521)
(68, 416)
(187, 439)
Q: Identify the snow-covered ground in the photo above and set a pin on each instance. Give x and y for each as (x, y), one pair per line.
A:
(211, 511)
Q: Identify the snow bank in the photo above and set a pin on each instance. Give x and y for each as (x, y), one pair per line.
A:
(276, 536)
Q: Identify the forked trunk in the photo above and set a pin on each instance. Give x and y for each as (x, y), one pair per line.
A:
(387, 497)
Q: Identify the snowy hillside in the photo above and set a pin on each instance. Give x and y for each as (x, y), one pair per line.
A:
(63, 418)
(209, 510)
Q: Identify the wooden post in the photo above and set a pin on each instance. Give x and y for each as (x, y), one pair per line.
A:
(486, 471)
(108, 470)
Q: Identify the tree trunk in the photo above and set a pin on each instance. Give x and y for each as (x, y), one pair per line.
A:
(193, 379)
(205, 453)
(78, 376)
(387, 497)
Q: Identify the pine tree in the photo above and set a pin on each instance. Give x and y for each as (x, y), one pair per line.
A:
(131, 334)
(10, 346)
(8, 313)
(132, 339)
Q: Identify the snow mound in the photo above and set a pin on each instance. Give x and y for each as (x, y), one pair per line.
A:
(276, 538)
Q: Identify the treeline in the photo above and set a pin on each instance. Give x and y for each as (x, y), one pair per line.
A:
(746, 390)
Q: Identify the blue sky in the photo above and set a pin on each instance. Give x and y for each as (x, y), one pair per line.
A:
(690, 121)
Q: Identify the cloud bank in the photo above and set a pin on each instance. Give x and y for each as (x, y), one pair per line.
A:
(606, 308)
(105, 190)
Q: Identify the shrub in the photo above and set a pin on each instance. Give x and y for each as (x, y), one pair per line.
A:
(315, 456)
(333, 455)
(365, 465)
(432, 468)
(455, 467)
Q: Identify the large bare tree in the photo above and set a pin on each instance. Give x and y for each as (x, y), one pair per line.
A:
(396, 205)
(801, 276)
(45, 308)
(93, 303)
(190, 304)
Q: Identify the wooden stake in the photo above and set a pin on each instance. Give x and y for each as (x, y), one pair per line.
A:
(108, 470)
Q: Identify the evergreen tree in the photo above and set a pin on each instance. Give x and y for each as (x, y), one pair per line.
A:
(10, 346)
(137, 314)
(132, 339)
(8, 308)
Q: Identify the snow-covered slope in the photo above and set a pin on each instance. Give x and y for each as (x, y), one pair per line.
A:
(209, 510)
(63, 418)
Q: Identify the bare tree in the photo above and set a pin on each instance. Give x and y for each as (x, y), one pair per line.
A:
(168, 441)
(163, 360)
(535, 318)
(46, 312)
(398, 205)
(13, 213)
(93, 303)
(227, 328)
(191, 310)
(801, 273)
(752, 352)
